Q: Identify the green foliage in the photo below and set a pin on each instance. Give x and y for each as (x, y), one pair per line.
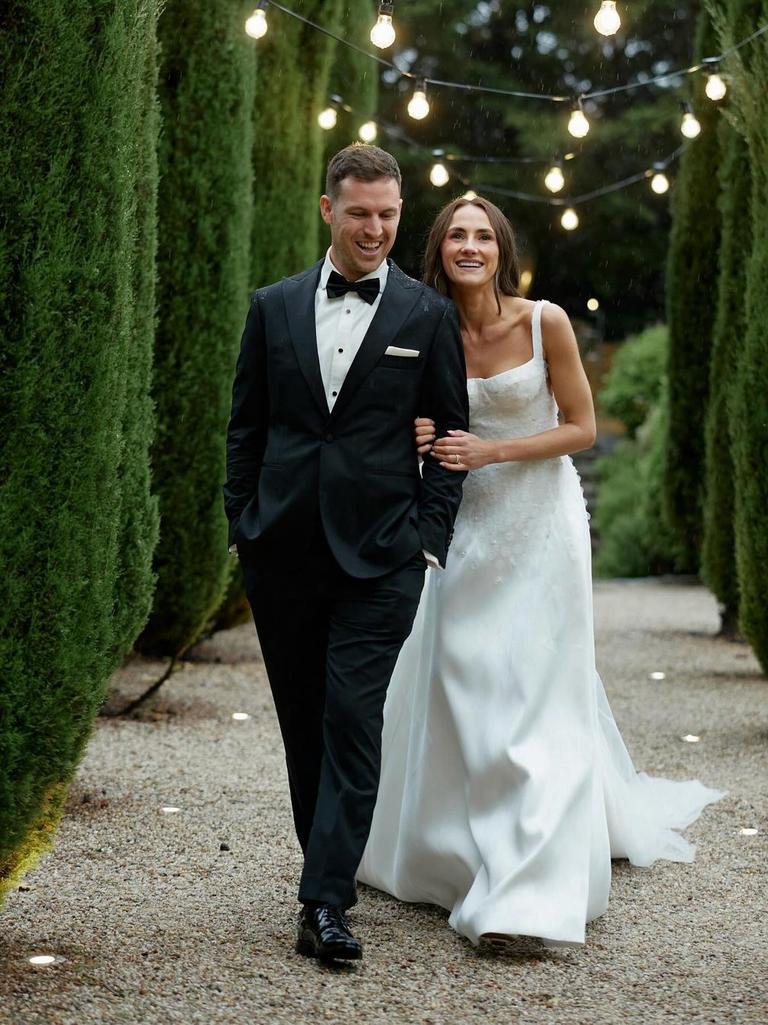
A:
(293, 64)
(75, 101)
(354, 78)
(718, 556)
(748, 405)
(692, 281)
(634, 540)
(206, 96)
(635, 381)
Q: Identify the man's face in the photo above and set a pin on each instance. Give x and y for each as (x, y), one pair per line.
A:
(363, 220)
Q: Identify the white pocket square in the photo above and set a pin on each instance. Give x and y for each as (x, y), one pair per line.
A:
(393, 350)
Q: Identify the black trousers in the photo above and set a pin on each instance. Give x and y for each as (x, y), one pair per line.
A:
(330, 643)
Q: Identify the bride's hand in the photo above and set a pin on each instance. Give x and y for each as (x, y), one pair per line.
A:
(424, 434)
(471, 450)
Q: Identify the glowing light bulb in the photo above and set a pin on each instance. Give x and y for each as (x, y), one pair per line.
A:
(327, 118)
(570, 219)
(256, 26)
(690, 127)
(439, 175)
(526, 277)
(418, 107)
(470, 194)
(715, 87)
(383, 32)
(593, 305)
(368, 131)
(660, 185)
(607, 20)
(554, 179)
(578, 125)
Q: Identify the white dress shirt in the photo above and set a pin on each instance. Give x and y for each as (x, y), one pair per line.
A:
(341, 325)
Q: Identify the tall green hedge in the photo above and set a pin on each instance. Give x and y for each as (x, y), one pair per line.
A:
(692, 274)
(749, 404)
(718, 555)
(293, 66)
(74, 116)
(206, 97)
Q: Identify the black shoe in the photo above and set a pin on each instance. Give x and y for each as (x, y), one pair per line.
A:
(324, 933)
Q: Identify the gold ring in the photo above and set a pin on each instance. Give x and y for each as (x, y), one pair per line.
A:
(456, 458)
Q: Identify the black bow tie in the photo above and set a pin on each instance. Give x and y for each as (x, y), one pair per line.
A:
(367, 290)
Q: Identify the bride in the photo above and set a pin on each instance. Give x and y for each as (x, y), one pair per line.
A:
(506, 788)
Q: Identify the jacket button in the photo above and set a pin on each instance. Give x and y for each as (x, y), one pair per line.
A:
(329, 437)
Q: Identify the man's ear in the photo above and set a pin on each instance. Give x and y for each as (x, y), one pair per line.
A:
(326, 209)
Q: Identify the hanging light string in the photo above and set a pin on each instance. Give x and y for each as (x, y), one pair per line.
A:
(549, 97)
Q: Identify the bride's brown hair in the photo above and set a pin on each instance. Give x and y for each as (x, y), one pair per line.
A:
(507, 278)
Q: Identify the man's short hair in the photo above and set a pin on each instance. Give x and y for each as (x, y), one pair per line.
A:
(365, 163)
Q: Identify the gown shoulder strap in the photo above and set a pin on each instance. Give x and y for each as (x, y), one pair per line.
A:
(538, 345)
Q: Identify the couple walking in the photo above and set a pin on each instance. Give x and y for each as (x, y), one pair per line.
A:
(488, 777)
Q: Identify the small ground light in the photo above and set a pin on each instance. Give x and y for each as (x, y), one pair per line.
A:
(691, 738)
(593, 305)
(240, 716)
(657, 676)
(748, 831)
(42, 959)
(169, 809)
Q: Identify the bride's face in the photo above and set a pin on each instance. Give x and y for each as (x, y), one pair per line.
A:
(469, 251)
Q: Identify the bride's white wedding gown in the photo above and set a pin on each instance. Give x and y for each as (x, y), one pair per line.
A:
(506, 788)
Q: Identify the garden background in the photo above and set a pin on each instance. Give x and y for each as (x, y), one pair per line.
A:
(160, 164)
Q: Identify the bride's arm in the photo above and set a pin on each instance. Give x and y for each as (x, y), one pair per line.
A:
(574, 400)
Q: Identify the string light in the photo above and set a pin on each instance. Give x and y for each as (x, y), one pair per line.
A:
(659, 185)
(469, 195)
(689, 126)
(256, 26)
(418, 107)
(327, 118)
(368, 131)
(383, 32)
(554, 179)
(593, 305)
(570, 219)
(439, 175)
(715, 87)
(607, 20)
(578, 125)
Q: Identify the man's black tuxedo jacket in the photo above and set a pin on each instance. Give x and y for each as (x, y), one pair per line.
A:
(292, 464)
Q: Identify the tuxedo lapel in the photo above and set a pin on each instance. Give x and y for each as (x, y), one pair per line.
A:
(398, 300)
(299, 299)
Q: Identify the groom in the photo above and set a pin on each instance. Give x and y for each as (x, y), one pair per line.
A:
(331, 520)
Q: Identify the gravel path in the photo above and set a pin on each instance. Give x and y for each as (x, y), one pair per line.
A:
(187, 917)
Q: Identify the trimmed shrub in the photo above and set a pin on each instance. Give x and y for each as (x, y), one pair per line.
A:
(692, 275)
(634, 540)
(206, 97)
(635, 381)
(748, 406)
(718, 554)
(74, 99)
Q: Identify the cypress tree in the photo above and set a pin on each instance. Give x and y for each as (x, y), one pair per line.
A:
(692, 275)
(293, 66)
(206, 97)
(748, 406)
(73, 100)
(718, 557)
